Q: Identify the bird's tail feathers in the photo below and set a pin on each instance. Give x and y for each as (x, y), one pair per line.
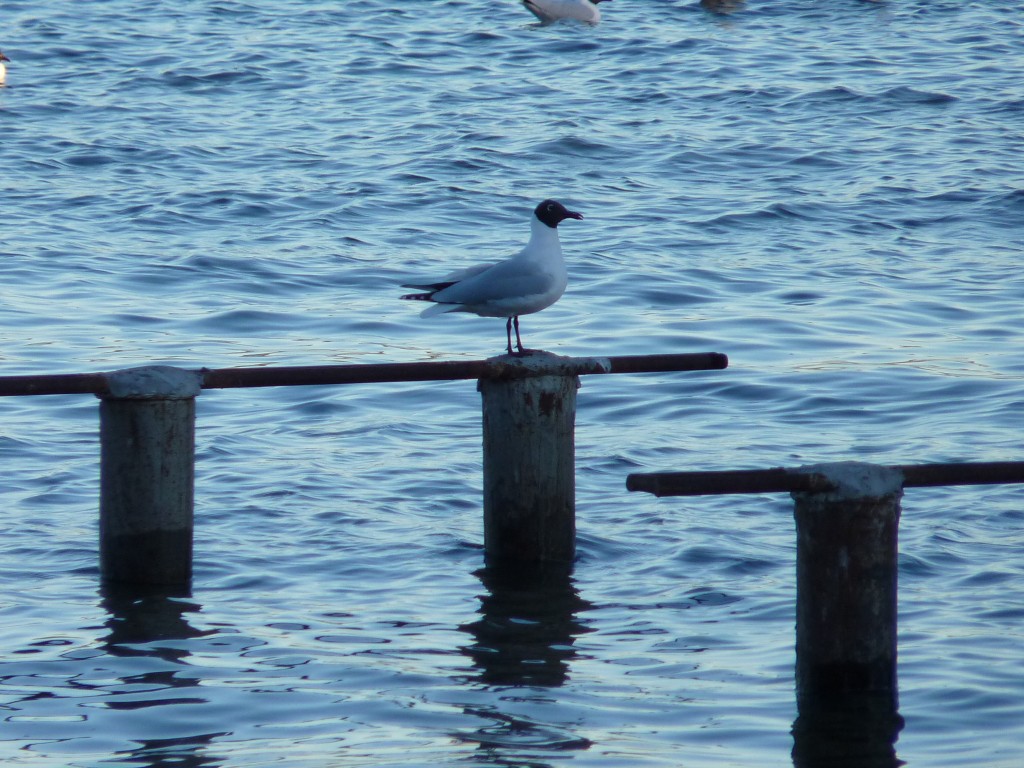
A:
(429, 290)
(429, 285)
(437, 309)
(416, 296)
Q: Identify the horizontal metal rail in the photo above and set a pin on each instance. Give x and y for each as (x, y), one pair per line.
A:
(781, 480)
(502, 367)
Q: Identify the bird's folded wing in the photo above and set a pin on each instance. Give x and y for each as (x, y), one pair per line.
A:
(433, 283)
(496, 286)
(536, 11)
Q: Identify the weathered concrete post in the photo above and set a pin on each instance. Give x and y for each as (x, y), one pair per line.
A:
(147, 472)
(846, 583)
(529, 457)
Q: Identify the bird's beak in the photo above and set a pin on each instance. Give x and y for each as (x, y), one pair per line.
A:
(574, 215)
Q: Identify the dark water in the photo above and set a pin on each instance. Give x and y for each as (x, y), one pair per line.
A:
(829, 193)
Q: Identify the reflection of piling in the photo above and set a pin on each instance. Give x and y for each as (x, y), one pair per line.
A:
(528, 624)
(857, 730)
(528, 466)
(846, 563)
(147, 449)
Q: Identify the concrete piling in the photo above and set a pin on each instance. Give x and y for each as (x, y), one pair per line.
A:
(846, 576)
(529, 454)
(147, 474)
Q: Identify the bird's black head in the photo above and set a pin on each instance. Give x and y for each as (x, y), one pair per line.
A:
(551, 212)
(2, 57)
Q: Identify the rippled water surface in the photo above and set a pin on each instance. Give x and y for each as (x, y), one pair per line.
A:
(831, 193)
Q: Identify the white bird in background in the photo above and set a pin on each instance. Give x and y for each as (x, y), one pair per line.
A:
(3, 69)
(550, 11)
(532, 280)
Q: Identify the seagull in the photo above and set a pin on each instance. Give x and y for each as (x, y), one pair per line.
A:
(532, 280)
(3, 69)
(550, 11)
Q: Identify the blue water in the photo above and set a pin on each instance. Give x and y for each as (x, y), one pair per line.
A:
(831, 193)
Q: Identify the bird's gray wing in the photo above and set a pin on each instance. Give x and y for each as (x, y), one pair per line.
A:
(536, 11)
(433, 284)
(505, 280)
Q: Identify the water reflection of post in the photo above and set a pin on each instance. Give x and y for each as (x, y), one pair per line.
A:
(854, 730)
(139, 618)
(141, 615)
(524, 639)
(528, 625)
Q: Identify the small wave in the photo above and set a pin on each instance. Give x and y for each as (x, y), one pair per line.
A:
(900, 95)
(241, 321)
(831, 94)
(1013, 106)
(1013, 200)
(906, 95)
(573, 146)
(190, 82)
(774, 211)
(87, 159)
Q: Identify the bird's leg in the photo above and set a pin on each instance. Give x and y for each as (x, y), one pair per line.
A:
(508, 332)
(519, 341)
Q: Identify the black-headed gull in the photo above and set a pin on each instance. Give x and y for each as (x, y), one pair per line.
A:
(3, 69)
(532, 280)
(550, 11)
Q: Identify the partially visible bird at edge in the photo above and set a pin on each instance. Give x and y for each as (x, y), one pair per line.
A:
(550, 11)
(532, 280)
(3, 69)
